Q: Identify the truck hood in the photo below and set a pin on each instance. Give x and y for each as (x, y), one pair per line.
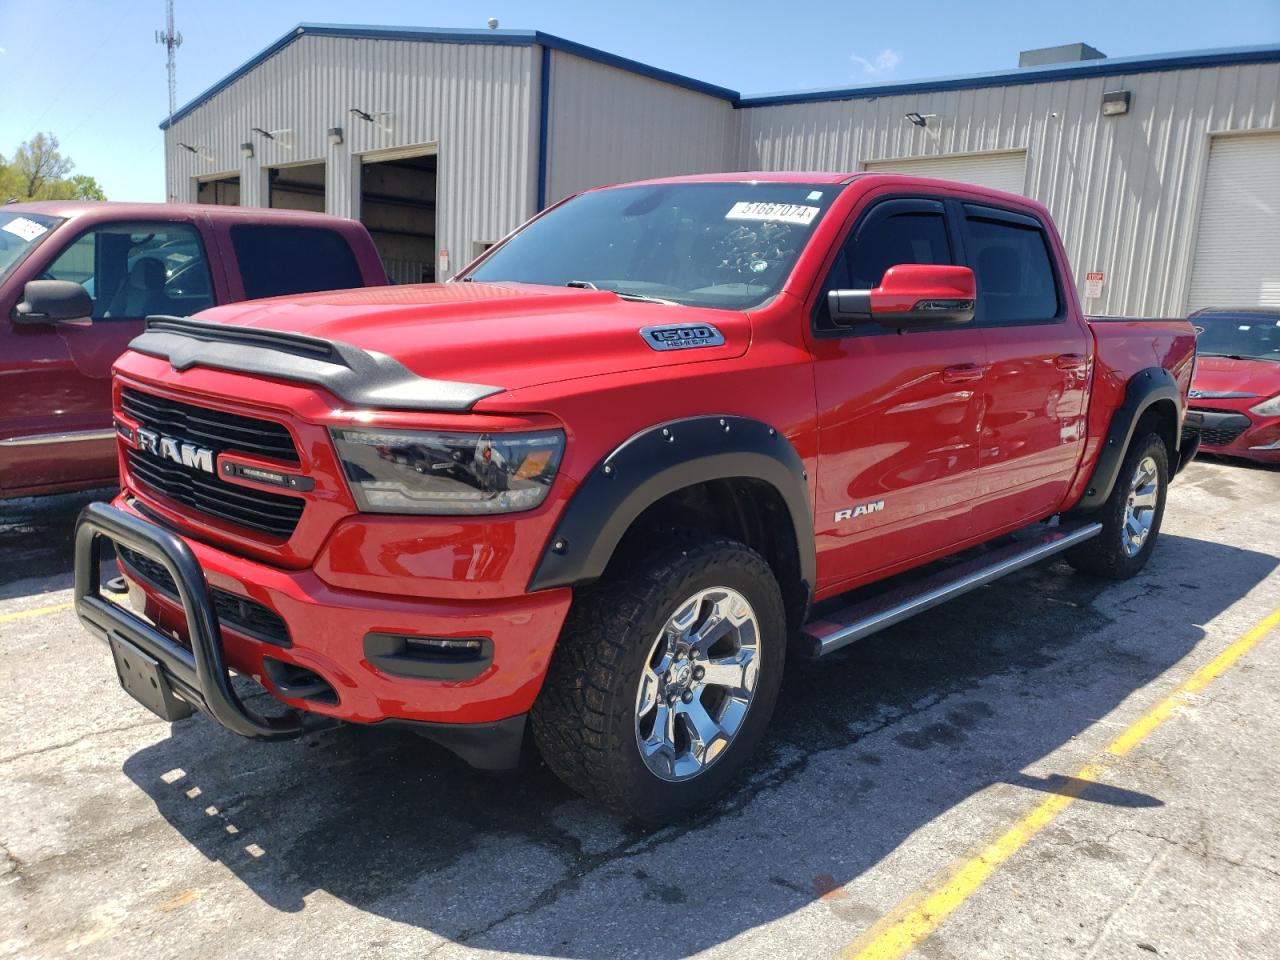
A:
(508, 336)
(1219, 376)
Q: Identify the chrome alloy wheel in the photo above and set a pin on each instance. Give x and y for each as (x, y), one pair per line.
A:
(698, 683)
(1140, 507)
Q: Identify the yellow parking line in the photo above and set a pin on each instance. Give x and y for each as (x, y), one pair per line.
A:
(34, 612)
(915, 919)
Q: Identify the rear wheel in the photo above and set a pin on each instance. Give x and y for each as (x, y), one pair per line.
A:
(664, 679)
(1131, 516)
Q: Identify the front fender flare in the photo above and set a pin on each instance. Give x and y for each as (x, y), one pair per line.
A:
(661, 460)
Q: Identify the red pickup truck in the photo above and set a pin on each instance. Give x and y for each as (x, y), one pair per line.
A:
(601, 482)
(76, 281)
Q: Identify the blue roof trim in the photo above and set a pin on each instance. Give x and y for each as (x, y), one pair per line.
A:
(510, 38)
(1111, 66)
(635, 66)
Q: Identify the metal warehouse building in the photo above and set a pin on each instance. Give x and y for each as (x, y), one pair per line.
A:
(1163, 172)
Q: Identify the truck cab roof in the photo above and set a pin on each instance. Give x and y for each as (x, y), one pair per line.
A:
(100, 210)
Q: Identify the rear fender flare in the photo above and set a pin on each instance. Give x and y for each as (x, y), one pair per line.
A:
(1145, 388)
(658, 461)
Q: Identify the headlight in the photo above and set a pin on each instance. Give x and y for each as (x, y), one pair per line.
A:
(1268, 408)
(403, 471)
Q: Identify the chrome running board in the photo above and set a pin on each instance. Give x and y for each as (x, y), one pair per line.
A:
(839, 628)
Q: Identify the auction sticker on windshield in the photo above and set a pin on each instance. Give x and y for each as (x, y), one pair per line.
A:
(796, 213)
(26, 229)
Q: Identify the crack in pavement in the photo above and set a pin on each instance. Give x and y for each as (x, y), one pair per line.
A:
(1147, 873)
(1202, 853)
(49, 748)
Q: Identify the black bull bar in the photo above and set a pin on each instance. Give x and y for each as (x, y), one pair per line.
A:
(198, 676)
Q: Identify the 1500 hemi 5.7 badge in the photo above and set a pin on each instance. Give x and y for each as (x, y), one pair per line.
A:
(682, 336)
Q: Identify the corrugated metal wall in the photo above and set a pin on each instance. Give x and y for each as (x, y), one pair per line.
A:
(477, 102)
(607, 125)
(1124, 190)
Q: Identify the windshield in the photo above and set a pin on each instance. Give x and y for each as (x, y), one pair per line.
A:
(726, 245)
(1252, 336)
(20, 233)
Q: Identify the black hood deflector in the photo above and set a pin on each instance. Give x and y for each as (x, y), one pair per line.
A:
(359, 377)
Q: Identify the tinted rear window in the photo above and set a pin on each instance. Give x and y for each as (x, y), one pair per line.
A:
(277, 261)
(1015, 274)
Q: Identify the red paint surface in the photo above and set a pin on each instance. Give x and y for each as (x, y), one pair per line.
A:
(1261, 378)
(963, 433)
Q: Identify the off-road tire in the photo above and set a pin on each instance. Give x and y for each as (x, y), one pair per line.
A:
(584, 721)
(1105, 555)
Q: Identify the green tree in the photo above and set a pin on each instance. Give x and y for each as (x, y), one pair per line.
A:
(40, 163)
(39, 171)
(84, 187)
(10, 182)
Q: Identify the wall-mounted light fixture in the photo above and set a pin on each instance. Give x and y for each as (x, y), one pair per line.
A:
(919, 119)
(201, 152)
(335, 136)
(281, 138)
(1115, 103)
(246, 150)
(381, 118)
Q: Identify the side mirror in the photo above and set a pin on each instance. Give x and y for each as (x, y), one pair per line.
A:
(53, 301)
(909, 295)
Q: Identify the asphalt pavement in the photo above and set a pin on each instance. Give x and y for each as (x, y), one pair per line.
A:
(893, 770)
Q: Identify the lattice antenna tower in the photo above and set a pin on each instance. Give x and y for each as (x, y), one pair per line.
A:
(172, 40)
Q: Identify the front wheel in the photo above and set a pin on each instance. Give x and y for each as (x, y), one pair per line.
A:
(1131, 516)
(664, 679)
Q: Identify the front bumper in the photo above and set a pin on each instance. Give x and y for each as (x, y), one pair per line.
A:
(1232, 433)
(325, 668)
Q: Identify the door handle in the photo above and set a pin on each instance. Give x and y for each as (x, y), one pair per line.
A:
(1069, 361)
(962, 373)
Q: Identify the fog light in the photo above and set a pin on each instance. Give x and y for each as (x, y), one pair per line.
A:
(429, 658)
(436, 645)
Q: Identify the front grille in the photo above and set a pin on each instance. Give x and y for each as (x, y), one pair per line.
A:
(1224, 433)
(220, 432)
(210, 428)
(1219, 438)
(247, 616)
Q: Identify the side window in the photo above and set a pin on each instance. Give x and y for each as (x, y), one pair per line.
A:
(1011, 261)
(277, 261)
(892, 232)
(135, 270)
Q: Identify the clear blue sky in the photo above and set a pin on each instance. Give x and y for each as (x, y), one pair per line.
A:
(90, 72)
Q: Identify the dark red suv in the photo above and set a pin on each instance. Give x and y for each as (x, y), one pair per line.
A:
(76, 281)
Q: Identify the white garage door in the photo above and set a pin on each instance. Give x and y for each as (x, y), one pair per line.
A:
(999, 171)
(1237, 252)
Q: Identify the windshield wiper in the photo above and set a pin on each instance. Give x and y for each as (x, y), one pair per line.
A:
(634, 297)
(641, 298)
